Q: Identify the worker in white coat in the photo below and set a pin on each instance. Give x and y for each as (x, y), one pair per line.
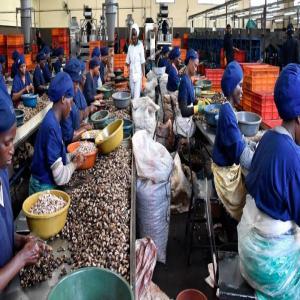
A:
(135, 60)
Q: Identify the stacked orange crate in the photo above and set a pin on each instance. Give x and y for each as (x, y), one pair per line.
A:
(3, 49)
(215, 76)
(61, 38)
(28, 60)
(183, 54)
(34, 53)
(185, 40)
(13, 42)
(119, 61)
(176, 43)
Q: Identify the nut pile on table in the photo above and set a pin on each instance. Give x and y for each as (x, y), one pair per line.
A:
(47, 203)
(86, 148)
(31, 112)
(119, 113)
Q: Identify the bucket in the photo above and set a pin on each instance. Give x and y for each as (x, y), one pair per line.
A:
(191, 294)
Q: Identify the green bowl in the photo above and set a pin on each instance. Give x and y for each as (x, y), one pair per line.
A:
(106, 91)
(99, 119)
(91, 284)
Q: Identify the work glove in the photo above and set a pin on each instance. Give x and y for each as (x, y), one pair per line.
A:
(199, 108)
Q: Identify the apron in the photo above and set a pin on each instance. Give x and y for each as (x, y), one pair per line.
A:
(36, 186)
(231, 189)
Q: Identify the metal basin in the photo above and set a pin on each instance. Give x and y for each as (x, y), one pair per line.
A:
(19, 116)
(249, 122)
(121, 99)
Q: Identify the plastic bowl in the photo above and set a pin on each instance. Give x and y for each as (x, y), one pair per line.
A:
(249, 122)
(110, 137)
(90, 158)
(121, 99)
(118, 72)
(19, 116)
(46, 226)
(210, 115)
(106, 91)
(29, 100)
(191, 294)
(127, 127)
(91, 283)
(99, 119)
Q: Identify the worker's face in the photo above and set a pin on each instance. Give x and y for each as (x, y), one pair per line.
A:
(228, 29)
(83, 79)
(76, 86)
(66, 106)
(134, 36)
(7, 148)
(192, 66)
(42, 63)
(177, 61)
(104, 59)
(96, 71)
(238, 93)
(61, 57)
(22, 69)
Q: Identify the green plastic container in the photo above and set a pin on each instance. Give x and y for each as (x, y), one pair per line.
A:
(91, 284)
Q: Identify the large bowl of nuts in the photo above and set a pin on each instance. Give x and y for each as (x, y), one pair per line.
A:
(88, 149)
(46, 212)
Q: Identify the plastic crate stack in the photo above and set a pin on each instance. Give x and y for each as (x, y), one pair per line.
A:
(13, 42)
(3, 44)
(215, 76)
(93, 44)
(119, 61)
(185, 41)
(28, 60)
(176, 43)
(240, 56)
(60, 38)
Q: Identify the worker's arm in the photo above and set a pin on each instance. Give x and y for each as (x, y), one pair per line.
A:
(16, 96)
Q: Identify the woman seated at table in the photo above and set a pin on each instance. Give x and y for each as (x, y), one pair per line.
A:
(90, 86)
(51, 166)
(47, 66)
(268, 233)
(22, 83)
(230, 151)
(39, 81)
(163, 60)
(104, 62)
(173, 79)
(14, 67)
(16, 251)
(57, 66)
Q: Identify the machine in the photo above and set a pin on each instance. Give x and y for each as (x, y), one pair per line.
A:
(165, 26)
(74, 37)
(150, 38)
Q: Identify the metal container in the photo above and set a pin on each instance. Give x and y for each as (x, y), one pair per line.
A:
(121, 99)
(19, 117)
(99, 119)
(249, 122)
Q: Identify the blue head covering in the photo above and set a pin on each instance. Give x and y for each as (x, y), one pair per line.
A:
(40, 56)
(15, 55)
(192, 54)
(104, 51)
(94, 62)
(287, 92)
(7, 114)
(2, 59)
(20, 60)
(59, 51)
(231, 78)
(165, 49)
(73, 68)
(96, 52)
(46, 50)
(175, 53)
(61, 86)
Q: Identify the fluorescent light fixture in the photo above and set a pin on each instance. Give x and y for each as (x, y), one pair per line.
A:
(278, 20)
(259, 11)
(290, 13)
(274, 8)
(270, 16)
(297, 2)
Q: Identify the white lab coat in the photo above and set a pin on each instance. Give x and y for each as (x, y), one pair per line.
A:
(135, 58)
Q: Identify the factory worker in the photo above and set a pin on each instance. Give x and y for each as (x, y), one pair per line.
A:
(22, 82)
(47, 67)
(72, 127)
(2, 64)
(16, 251)
(104, 63)
(14, 67)
(90, 86)
(57, 66)
(99, 80)
(2, 79)
(51, 166)
(163, 60)
(39, 81)
(230, 151)
(135, 60)
(174, 79)
(269, 247)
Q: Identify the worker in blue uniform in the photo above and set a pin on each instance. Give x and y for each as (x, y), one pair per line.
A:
(269, 248)
(16, 251)
(3, 85)
(57, 66)
(97, 53)
(51, 166)
(47, 67)
(174, 79)
(39, 81)
(90, 86)
(73, 127)
(290, 49)
(231, 152)
(2, 64)
(22, 83)
(104, 64)
(163, 60)
(14, 67)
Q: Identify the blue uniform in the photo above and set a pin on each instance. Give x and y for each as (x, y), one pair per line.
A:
(274, 177)
(3, 86)
(173, 79)
(57, 66)
(229, 143)
(79, 100)
(49, 147)
(69, 125)
(18, 83)
(102, 71)
(14, 70)
(38, 78)
(163, 62)
(46, 72)
(90, 89)
(6, 222)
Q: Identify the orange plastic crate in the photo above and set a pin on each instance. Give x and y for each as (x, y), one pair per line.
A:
(183, 53)
(59, 31)
(247, 100)
(176, 43)
(272, 123)
(15, 40)
(2, 40)
(259, 70)
(260, 83)
(240, 56)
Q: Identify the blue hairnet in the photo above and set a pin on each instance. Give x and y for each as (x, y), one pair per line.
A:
(165, 49)
(231, 78)
(59, 51)
(94, 62)
(2, 59)
(40, 56)
(7, 114)
(96, 52)
(175, 53)
(46, 50)
(191, 54)
(73, 68)
(20, 60)
(61, 86)
(15, 55)
(104, 51)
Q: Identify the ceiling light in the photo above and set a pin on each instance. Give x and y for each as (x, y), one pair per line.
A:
(290, 13)
(270, 16)
(278, 20)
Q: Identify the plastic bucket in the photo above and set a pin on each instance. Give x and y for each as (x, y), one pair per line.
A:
(191, 294)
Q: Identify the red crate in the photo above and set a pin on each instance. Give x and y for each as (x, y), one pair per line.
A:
(15, 40)
(246, 107)
(272, 123)
(260, 84)
(240, 56)
(176, 43)
(59, 31)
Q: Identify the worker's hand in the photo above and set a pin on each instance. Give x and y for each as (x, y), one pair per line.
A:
(99, 96)
(30, 253)
(86, 126)
(78, 160)
(144, 81)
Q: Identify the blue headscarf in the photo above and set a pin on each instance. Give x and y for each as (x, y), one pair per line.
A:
(73, 68)
(96, 52)
(46, 50)
(287, 92)
(2, 59)
(59, 51)
(104, 51)
(20, 60)
(61, 86)
(175, 53)
(231, 78)
(94, 62)
(165, 49)
(15, 55)
(40, 56)
(192, 54)
(7, 113)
